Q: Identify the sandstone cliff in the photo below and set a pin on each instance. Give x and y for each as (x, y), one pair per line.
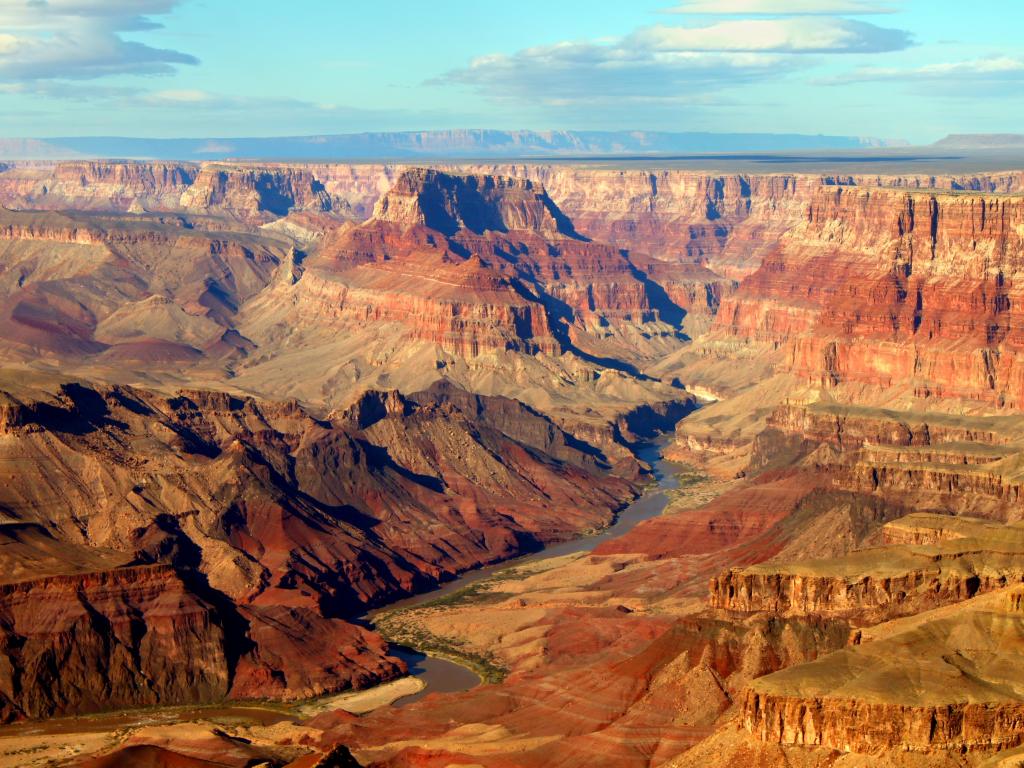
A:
(264, 528)
(130, 637)
(940, 682)
(920, 294)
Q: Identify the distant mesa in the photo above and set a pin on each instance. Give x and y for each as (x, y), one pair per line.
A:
(448, 202)
(982, 141)
(475, 143)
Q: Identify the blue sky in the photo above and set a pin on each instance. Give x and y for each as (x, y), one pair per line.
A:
(888, 68)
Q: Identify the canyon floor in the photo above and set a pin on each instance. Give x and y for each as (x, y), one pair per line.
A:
(718, 469)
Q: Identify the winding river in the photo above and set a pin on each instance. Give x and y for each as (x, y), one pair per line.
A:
(439, 675)
(444, 676)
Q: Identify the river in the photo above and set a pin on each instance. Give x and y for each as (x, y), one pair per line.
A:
(439, 675)
(444, 676)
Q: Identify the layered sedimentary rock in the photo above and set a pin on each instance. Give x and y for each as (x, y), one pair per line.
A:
(853, 427)
(270, 527)
(868, 312)
(949, 463)
(729, 221)
(450, 269)
(921, 294)
(97, 185)
(943, 681)
(927, 562)
(492, 252)
(128, 637)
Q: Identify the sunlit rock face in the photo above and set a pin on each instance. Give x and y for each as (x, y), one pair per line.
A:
(244, 402)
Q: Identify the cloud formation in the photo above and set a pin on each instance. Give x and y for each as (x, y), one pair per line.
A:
(668, 63)
(989, 70)
(81, 39)
(796, 35)
(781, 7)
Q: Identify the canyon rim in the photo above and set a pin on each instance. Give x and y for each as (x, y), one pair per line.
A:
(334, 433)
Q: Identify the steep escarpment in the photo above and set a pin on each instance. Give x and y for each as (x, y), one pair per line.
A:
(128, 637)
(447, 203)
(929, 461)
(478, 278)
(234, 494)
(481, 279)
(945, 681)
(506, 236)
(257, 193)
(921, 294)
(877, 583)
(259, 529)
(726, 221)
(96, 185)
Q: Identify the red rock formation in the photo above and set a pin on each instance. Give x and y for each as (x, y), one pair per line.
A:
(853, 725)
(97, 185)
(920, 294)
(943, 682)
(728, 220)
(130, 637)
(948, 562)
(255, 193)
(850, 427)
(280, 526)
(477, 263)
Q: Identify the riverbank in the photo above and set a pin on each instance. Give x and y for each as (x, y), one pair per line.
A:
(437, 664)
(421, 622)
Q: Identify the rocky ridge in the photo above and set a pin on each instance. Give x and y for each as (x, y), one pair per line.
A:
(258, 529)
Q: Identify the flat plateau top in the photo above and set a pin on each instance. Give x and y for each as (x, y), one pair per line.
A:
(884, 162)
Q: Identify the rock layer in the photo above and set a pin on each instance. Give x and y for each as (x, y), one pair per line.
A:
(271, 527)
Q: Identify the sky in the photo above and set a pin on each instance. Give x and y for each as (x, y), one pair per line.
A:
(895, 69)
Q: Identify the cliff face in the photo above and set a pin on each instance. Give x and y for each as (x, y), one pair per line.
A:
(727, 222)
(245, 532)
(723, 222)
(852, 427)
(112, 639)
(97, 186)
(447, 203)
(267, 528)
(921, 294)
(859, 726)
(256, 193)
(484, 263)
(928, 560)
(862, 699)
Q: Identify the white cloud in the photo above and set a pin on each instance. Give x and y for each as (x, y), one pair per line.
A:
(571, 73)
(188, 96)
(81, 39)
(796, 35)
(994, 69)
(781, 7)
(668, 63)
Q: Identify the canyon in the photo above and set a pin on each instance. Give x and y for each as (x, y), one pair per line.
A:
(243, 404)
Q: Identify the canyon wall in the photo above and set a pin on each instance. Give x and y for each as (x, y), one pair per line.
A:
(922, 294)
(727, 221)
(176, 549)
(138, 629)
(939, 684)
